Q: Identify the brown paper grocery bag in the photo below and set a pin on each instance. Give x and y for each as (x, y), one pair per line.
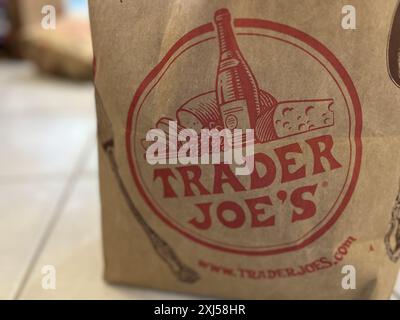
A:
(315, 87)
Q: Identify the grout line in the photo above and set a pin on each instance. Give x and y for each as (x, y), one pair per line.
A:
(54, 217)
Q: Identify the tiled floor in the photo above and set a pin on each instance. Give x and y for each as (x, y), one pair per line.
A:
(49, 202)
(49, 160)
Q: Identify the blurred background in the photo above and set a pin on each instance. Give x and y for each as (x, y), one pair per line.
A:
(49, 200)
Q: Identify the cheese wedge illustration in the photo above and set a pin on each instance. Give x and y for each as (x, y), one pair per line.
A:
(295, 117)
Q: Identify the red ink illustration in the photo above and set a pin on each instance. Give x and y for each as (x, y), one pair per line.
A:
(260, 75)
(239, 103)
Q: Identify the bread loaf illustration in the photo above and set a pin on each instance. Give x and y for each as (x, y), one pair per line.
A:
(163, 124)
(199, 113)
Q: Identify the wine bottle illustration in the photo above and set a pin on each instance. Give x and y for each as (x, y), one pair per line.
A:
(236, 87)
(239, 101)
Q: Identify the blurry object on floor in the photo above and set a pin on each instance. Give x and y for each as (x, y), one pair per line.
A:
(22, 15)
(66, 51)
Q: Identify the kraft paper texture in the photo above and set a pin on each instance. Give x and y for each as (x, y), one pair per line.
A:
(318, 95)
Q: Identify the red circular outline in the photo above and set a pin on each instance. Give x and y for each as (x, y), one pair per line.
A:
(318, 46)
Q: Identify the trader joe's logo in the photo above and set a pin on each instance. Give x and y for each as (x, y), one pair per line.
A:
(238, 74)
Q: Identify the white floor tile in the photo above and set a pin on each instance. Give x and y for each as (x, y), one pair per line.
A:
(25, 211)
(41, 146)
(46, 121)
(26, 93)
(92, 164)
(74, 248)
